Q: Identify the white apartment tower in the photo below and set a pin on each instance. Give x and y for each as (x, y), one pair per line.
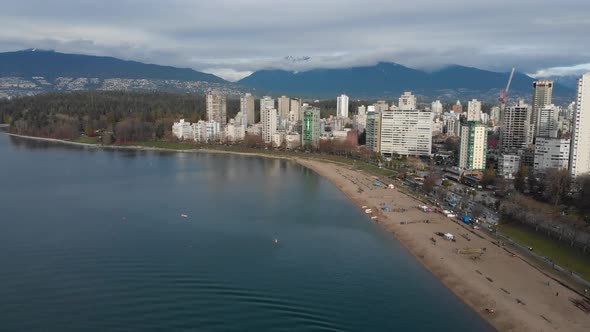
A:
(473, 148)
(551, 153)
(474, 110)
(516, 127)
(268, 119)
(406, 132)
(437, 108)
(284, 105)
(247, 108)
(547, 121)
(407, 102)
(266, 103)
(216, 107)
(580, 142)
(542, 96)
(295, 111)
(342, 106)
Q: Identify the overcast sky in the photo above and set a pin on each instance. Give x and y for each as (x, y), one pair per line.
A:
(232, 38)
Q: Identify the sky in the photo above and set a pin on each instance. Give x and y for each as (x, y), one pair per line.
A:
(233, 38)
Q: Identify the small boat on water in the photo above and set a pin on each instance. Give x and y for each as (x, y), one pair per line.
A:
(184, 215)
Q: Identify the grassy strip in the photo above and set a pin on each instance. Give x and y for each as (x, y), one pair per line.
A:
(559, 252)
(86, 140)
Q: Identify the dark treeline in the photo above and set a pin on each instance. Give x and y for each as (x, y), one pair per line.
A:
(130, 116)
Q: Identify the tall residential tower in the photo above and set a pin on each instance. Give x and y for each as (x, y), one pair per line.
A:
(580, 143)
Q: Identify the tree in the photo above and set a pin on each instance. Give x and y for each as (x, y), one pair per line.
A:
(557, 184)
(447, 183)
(429, 183)
(520, 179)
(489, 177)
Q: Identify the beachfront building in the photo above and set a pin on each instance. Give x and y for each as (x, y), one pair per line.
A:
(182, 130)
(406, 132)
(278, 139)
(342, 106)
(216, 107)
(473, 147)
(407, 102)
(310, 133)
(373, 131)
(292, 140)
(247, 108)
(580, 144)
(551, 153)
(206, 131)
(268, 119)
(235, 132)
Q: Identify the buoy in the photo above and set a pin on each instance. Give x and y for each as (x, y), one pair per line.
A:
(276, 241)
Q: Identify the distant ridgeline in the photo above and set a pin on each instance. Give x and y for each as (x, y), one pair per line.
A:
(35, 71)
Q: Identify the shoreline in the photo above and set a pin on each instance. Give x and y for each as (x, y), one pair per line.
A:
(495, 280)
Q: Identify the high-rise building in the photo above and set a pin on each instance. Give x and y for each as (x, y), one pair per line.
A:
(474, 110)
(362, 110)
(580, 142)
(516, 127)
(182, 130)
(437, 108)
(373, 131)
(342, 106)
(381, 105)
(284, 105)
(295, 111)
(268, 118)
(458, 108)
(406, 132)
(542, 95)
(266, 103)
(310, 133)
(360, 119)
(247, 108)
(216, 107)
(547, 121)
(473, 148)
(407, 102)
(495, 115)
(551, 153)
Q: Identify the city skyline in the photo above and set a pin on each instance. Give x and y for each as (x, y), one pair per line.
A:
(186, 34)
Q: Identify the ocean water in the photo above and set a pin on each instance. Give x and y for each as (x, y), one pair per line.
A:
(93, 240)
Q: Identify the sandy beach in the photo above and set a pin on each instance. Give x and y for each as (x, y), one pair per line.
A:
(522, 297)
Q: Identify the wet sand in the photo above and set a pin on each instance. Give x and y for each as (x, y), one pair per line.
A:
(522, 297)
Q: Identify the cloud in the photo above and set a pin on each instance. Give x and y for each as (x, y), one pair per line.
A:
(236, 37)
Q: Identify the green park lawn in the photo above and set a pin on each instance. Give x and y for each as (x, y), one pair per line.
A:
(559, 252)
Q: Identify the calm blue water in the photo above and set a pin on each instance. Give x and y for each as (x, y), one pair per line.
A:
(92, 240)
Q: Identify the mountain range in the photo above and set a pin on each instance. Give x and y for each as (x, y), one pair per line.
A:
(391, 79)
(36, 71)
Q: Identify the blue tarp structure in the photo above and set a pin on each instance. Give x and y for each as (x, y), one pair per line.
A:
(387, 208)
(452, 203)
(377, 184)
(466, 219)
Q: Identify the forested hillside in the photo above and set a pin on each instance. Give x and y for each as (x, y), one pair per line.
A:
(130, 116)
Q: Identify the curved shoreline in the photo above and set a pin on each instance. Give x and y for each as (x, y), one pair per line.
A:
(497, 280)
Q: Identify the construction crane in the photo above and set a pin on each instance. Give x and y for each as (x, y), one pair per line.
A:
(504, 92)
